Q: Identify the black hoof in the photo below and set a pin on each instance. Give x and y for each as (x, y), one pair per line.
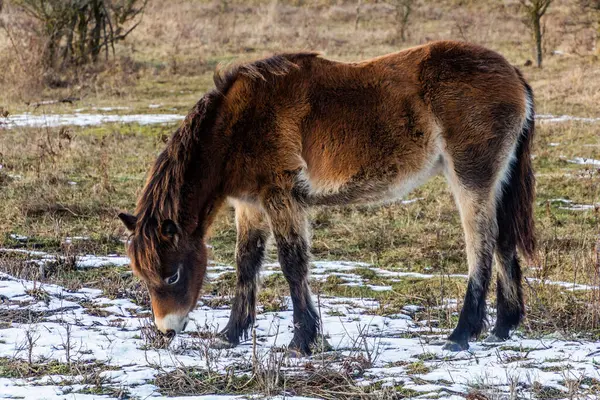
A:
(299, 348)
(295, 353)
(321, 345)
(493, 339)
(221, 342)
(456, 346)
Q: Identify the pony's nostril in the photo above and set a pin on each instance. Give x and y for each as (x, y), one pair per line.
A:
(170, 334)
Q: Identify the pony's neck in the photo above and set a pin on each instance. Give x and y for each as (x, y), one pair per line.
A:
(201, 195)
(202, 189)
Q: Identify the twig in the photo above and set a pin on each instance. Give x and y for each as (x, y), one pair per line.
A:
(69, 100)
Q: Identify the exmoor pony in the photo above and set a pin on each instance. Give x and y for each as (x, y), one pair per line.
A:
(281, 134)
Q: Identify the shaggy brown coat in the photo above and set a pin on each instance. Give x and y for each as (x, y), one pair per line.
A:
(295, 130)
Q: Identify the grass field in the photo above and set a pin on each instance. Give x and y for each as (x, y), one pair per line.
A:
(389, 280)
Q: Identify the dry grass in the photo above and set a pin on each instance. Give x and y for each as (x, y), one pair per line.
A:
(275, 377)
(13, 368)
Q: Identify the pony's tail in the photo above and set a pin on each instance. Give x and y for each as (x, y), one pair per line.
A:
(515, 211)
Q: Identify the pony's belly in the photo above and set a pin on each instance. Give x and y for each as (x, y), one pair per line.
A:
(406, 184)
(373, 175)
(370, 188)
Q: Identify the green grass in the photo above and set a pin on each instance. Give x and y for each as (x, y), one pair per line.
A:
(15, 368)
(417, 368)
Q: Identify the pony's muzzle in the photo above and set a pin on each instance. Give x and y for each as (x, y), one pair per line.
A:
(171, 324)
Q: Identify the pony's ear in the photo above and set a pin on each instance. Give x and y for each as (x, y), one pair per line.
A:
(169, 229)
(128, 220)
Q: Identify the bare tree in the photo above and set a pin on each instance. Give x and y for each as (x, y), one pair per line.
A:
(358, 4)
(594, 7)
(534, 11)
(404, 9)
(77, 31)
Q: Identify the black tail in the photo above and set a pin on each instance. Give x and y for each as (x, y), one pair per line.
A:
(515, 229)
(515, 210)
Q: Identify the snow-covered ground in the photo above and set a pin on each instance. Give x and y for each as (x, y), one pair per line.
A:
(585, 161)
(83, 119)
(549, 118)
(81, 261)
(84, 325)
(79, 118)
(569, 205)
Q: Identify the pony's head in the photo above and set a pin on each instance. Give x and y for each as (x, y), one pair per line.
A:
(172, 263)
(167, 248)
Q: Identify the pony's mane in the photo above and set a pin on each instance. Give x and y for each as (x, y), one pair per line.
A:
(260, 70)
(161, 196)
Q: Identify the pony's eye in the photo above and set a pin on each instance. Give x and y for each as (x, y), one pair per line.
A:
(172, 279)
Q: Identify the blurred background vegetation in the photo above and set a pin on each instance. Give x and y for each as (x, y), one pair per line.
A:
(49, 44)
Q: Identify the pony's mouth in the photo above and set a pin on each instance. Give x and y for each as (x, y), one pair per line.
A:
(171, 333)
(172, 324)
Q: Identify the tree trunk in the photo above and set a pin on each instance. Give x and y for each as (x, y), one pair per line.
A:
(598, 33)
(404, 23)
(356, 20)
(49, 57)
(537, 32)
(403, 12)
(95, 44)
(81, 57)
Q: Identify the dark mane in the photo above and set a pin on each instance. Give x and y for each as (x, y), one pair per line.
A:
(161, 197)
(259, 70)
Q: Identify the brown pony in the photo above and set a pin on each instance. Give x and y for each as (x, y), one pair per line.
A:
(284, 133)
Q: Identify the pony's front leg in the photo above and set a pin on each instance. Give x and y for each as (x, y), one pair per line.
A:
(289, 223)
(252, 235)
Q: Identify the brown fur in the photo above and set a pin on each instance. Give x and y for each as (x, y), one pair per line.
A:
(295, 130)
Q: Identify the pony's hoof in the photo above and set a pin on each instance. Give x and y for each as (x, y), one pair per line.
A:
(295, 353)
(299, 348)
(220, 343)
(493, 339)
(455, 346)
(321, 345)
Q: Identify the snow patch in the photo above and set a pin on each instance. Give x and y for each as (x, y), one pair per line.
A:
(81, 261)
(77, 119)
(18, 238)
(585, 161)
(351, 326)
(549, 118)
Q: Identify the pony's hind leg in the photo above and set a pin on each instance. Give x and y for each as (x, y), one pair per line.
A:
(515, 230)
(509, 292)
(252, 235)
(478, 215)
(289, 223)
